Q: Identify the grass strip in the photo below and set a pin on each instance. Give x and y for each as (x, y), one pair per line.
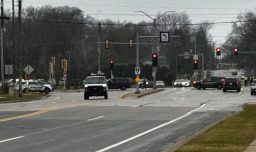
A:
(233, 134)
(5, 98)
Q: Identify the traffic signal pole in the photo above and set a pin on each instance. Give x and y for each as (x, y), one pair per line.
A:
(137, 62)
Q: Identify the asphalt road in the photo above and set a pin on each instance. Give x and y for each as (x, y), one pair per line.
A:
(67, 123)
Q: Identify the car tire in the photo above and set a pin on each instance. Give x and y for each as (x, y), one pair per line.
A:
(224, 90)
(106, 96)
(46, 90)
(123, 88)
(86, 97)
(238, 90)
(252, 93)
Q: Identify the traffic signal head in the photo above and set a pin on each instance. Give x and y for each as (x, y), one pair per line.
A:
(111, 63)
(235, 51)
(218, 51)
(130, 44)
(107, 44)
(154, 59)
(195, 62)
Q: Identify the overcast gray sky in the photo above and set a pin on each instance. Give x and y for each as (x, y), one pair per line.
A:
(198, 10)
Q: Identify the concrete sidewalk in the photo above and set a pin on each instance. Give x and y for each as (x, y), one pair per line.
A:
(251, 147)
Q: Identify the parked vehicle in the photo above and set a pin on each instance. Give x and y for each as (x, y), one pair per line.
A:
(232, 84)
(160, 84)
(95, 86)
(212, 82)
(253, 89)
(37, 86)
(34, 85)
(119, 83)
(182, 83)
(144, 83)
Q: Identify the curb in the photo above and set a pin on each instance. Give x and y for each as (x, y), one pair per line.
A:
(142, 93)
(177, 145)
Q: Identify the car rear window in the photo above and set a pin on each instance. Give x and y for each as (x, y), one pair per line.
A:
(231, 79)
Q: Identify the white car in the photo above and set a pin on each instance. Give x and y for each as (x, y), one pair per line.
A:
(160, 84)
(182, 83)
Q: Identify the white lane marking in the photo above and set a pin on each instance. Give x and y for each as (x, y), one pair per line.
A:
(10, 139)
(150, 130)
(56, 98)
(241, 91)
(183, 92)
(95, 118)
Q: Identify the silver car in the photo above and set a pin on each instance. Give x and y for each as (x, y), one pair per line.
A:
(182, 83)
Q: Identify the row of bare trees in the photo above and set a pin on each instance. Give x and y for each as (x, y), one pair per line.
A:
(243, 37)
(64, 32)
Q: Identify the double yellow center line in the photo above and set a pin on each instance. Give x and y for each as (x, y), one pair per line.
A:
(24, 116)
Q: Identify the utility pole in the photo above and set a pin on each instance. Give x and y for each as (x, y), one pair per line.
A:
(137, 62)
(13, 42)
(2, 42)
(20, 52)
(99, 46)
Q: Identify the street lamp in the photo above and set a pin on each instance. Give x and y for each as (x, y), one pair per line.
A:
(154, 48)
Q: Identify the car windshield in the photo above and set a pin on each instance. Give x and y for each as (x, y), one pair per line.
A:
(181, 80)
(95, 80)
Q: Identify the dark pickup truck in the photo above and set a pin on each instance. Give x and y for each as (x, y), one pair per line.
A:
(212, 82)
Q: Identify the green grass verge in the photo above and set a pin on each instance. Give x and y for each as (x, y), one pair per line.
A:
(233, 134)
(5, 98)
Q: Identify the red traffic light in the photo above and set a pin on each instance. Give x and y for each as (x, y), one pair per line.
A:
(111, 61)
(235, 51)
(154, 55)
(154, 59)
(218, 51)
(195, 62)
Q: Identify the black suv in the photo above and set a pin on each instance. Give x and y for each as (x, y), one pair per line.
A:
(212, 82)
(232, 84)
(95, 86)
(119, 83)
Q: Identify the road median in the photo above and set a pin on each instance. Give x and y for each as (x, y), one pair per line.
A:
(143, 92)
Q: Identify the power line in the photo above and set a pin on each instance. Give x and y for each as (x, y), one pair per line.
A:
(133, 24)
(107, 4)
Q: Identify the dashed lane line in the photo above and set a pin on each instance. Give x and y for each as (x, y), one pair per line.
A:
(10, 139)
(95, 118)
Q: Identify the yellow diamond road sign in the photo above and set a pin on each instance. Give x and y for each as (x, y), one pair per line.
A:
(28, 69)
(137, 79)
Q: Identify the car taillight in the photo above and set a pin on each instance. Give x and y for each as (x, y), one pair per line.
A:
(194, 82)
(237, 82)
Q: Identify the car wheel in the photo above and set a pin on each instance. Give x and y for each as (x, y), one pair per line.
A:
(238, 90)
(46, 90)
(86, 97)
(106, 96)
(224, 90)
(252, 93)
(123, 88)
